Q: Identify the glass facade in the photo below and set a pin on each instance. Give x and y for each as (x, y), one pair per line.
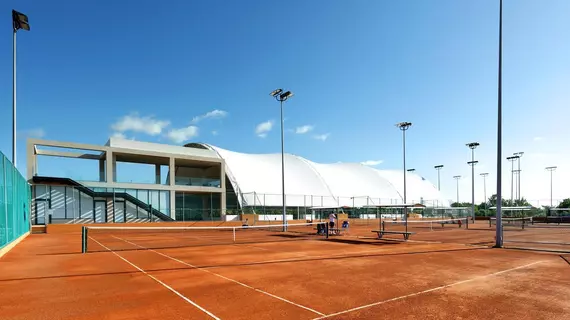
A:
(69, 204)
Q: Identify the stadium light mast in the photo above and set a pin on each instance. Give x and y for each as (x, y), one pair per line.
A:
(438, 168)
(472, 163)
(519, 154)
(281, 96)
(404, 126)
(484, 175)
(499, 228)
(551, 169)
(512, 160)
(19, 21)
(457, 179)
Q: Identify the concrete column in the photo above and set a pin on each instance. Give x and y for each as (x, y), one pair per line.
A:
(157, 173)
(32, 159)
(172, 172)
(223, 190)
(172, 182)
(110, 167)
(173, 204)
(101, 170)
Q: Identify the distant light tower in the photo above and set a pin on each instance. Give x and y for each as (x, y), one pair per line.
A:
(404, 126)
(484, 175)
(281, 96)
(457, 179)
(472, 163)
(512, 160)
(438, 168)
(519, 154)
(551, 169)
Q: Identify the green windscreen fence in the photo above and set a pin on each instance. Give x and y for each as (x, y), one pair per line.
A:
(14, 203)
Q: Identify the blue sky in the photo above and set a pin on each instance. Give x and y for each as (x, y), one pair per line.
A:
(201, 71)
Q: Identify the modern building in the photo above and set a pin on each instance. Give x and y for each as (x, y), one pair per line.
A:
(208, 183)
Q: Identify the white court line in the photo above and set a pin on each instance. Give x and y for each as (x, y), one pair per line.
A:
(425, 291)
(223, 277)
(160, 282)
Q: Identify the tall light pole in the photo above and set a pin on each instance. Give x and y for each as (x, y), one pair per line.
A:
(512, 160)
(404, 126)
(499, 228)
(551, 169)
(457, 179)
(484, 175)
(519, 155)
(438, 168)
(472, 163)
(19, 21)
(281, 96)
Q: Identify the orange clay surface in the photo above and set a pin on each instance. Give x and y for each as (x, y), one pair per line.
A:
(445, 273)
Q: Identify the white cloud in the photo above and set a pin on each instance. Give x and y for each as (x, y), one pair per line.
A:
(304, 129)
(322, 137)
(263, 128)
(214, 114)
(135, 123)
(214, 133)
(119, 135)
(372, 162)
(537, 138)
(183, 134)
(34, 133)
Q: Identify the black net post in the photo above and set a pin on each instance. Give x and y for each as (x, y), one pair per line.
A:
(84, 239)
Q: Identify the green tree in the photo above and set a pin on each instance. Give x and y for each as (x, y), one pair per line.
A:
(565, 203)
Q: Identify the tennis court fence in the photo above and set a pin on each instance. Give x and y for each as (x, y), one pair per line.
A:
(14, 203)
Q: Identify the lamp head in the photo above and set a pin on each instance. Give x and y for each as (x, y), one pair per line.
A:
(276, 92)
(472, 162)
(473, 145)
(411, 170)
(456, 177)
(285, 96)
(404, 125)
(439, 166)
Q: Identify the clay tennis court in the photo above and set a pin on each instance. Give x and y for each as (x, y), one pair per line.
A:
(445, 273)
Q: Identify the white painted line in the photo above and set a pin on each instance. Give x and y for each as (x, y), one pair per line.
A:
(223, 277)
(426, 291)
(160, 282)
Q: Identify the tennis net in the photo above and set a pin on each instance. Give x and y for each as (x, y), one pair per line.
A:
(512, 222)
(106, 238)
(425, 225)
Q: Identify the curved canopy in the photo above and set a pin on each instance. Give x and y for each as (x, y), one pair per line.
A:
(256, 179)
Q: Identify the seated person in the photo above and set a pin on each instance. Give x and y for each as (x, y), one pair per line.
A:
(245, 223)
(345, 224)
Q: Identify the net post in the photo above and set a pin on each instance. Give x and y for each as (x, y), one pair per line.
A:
(83, 239)
(234, 232)
(383, 226)
(466, 224)
(326, 230)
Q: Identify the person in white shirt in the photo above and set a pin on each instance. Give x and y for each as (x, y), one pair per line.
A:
(331, 220)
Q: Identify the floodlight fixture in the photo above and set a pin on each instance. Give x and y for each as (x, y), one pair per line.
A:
(276, 92)
(471, 163)
(411, 170)
(285, 96)
(473, 145)
(439, 166)
(404, 125)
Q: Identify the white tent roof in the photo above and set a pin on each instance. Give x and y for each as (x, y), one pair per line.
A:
(256, 178)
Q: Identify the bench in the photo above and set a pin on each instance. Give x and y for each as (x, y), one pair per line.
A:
(383, 232)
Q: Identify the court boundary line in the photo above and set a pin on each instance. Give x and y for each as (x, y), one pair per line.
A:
(223, 277)
(159, 282)
(428, 290)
